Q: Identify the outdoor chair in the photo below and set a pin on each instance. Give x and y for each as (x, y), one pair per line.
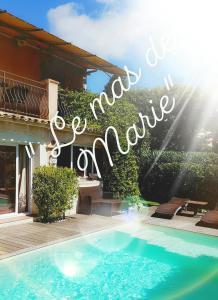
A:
(210, 219)
(171, 208)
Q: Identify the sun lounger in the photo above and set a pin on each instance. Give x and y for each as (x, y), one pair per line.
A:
(171, 208)
(210, 219)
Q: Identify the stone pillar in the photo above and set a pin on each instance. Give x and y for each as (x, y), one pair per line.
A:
(52, 87)
(40, 157)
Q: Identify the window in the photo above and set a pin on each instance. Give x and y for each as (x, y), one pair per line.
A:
(76, 153)
(7, 179)
(69, 157)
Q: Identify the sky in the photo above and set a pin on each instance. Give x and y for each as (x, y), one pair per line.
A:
(183, 33)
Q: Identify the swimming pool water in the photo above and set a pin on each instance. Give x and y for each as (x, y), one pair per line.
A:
(148, 262)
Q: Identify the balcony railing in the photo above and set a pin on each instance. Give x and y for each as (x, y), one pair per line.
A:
(23, 96)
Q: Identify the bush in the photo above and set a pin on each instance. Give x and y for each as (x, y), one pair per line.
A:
(122, 178)
(179, 157)
(53, 191)
(188, 175)
(77, 103)
(138, 201)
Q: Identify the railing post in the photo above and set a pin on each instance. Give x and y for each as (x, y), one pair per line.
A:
(52, 87)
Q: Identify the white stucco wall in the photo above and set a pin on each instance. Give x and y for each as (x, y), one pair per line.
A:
(18, 132)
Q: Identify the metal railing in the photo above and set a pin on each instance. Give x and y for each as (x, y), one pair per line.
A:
(23, 96)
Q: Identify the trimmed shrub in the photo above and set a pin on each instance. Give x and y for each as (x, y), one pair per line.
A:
(194, 175)
(179, 157)
(53, 191)
(122, 178)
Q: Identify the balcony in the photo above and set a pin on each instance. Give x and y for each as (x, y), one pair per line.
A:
(23, 96)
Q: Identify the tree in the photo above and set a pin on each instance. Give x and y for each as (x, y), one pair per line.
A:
(181, 128)
(122, 178)
(117, 89)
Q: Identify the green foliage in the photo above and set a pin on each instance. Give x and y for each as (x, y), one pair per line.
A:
(179, 131)
(191, 174)
(175, 156)
(53, 191)
(79, 104)
(122, 178)
(121, 115)
(138, 201)
(117, 89)
(188, 175)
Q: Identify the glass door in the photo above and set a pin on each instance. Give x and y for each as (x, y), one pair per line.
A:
(23, 180)
(7, 179)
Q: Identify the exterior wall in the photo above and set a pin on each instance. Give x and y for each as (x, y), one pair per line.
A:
(34, 64)
(23, 61)
(84, 139)
(21, 133)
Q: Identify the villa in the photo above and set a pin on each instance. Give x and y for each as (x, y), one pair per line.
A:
(33, 64)
(142, 227)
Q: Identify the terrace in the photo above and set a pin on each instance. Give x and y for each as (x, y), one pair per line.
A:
(29, 236)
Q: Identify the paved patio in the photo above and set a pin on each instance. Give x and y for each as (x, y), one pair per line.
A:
(19, 238)
(182, 223)
(177, 222)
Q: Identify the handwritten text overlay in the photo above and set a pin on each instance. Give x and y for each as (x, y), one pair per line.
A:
(133, 133)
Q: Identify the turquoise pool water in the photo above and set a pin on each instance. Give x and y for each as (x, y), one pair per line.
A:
(146, 262)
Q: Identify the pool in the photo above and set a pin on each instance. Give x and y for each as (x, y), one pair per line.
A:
(129, 262)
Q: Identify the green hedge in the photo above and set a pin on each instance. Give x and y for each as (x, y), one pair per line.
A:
(192, 175)
(122, 178)
(78, 102)
(53, 191)
(174, 156)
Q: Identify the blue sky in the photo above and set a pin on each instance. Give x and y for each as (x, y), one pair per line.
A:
(36, 11)
(119, 31)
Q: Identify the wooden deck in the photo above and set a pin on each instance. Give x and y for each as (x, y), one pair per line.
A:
(19, 238)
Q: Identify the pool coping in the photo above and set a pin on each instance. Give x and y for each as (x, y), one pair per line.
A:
(182, 229)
